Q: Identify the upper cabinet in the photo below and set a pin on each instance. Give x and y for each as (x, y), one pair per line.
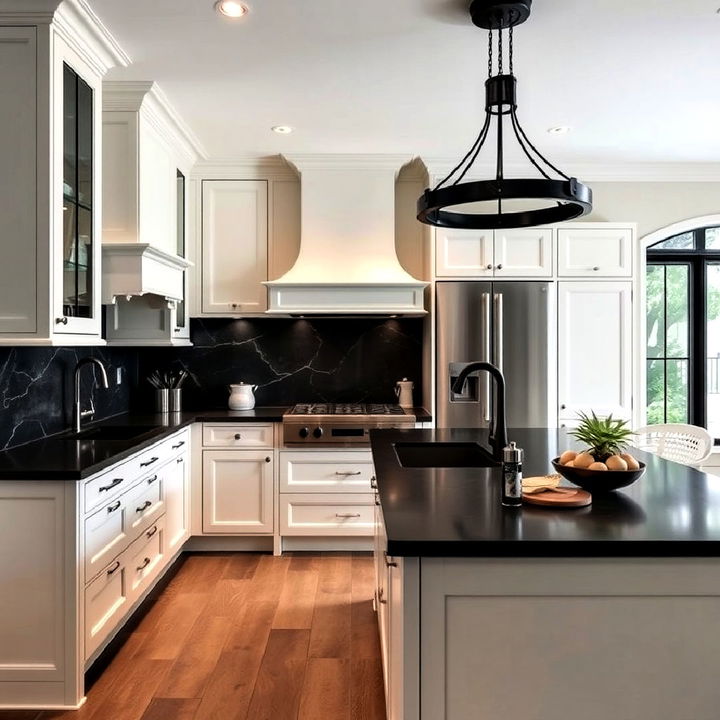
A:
(51, 66)
(600, 250)
(516, 253)
(234, 246)
(148, 153)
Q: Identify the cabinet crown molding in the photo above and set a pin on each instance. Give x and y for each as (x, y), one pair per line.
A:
(83, 30)
(146, 95)
(345, 161)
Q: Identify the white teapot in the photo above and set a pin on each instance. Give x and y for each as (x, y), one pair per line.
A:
(242, 396)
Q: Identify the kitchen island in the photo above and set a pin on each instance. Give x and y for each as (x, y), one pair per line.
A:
(612, 610)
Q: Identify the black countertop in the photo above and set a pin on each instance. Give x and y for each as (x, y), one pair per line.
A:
(672, 511)
(63, 457)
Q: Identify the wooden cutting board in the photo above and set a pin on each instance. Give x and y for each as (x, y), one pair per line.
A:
(568, 497)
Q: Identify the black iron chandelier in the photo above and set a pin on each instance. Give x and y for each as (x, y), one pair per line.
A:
(554, 197)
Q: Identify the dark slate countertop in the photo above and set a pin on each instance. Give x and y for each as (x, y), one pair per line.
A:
(61, 457)
(671, 511)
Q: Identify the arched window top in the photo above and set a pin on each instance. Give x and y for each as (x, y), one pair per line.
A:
(700, 240)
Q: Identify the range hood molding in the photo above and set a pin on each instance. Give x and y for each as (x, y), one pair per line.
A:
(347, 263)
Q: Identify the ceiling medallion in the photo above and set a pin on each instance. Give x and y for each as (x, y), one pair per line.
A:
(551, 198)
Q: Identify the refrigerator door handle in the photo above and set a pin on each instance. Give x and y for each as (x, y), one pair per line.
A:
(485, 377)
(498, 330)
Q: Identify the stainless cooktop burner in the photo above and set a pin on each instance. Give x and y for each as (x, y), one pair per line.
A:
(345, 409)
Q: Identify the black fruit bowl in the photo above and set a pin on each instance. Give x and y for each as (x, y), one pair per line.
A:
(598, 481)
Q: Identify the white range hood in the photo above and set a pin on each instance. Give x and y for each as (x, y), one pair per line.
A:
(347, 263)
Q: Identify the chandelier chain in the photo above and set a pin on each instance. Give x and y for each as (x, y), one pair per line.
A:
(510, 47)
(490, 53)
(500, 52)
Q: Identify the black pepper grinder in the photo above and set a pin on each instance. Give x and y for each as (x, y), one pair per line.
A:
(512, 476)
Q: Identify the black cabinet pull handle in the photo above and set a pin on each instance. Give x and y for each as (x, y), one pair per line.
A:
(113, 569)
(152, 531)
(145, 563)
(112, 508)
(268, 459)
(149, 462)
(373, 482)
(179, 445)
(238, 436)
(113, 484)
(389, 563)
(61, 321)
(144, 506)
(152, 479)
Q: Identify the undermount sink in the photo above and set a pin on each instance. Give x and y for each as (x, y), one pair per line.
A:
(117, 433)
(443, 455)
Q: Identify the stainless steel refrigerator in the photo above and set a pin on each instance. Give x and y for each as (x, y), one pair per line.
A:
(510, 324)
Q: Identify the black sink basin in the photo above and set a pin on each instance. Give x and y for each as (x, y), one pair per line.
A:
(443, 455)
(117, 433)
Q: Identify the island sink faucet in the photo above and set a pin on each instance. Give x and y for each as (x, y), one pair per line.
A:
(498, 433)
(78, 412)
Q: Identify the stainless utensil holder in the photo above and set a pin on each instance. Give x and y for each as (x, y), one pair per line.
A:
(175, 399)
(162, 400)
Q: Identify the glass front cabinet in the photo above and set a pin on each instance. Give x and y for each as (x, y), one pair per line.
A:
(51, 73)
(77, 201)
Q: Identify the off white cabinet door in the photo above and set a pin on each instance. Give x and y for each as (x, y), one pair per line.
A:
(524, 252)
(177, 513)
(237, 491)
(234, 246)
(595, 252)
(594, 349)
(463, 253)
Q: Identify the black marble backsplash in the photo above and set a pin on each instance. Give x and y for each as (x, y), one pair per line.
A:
(291, 360)
(36, 389)
(295, 360)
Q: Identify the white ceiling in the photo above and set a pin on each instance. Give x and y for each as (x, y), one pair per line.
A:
(638, 80)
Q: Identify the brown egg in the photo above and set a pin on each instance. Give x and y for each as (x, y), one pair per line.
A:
(632, 463)
(567, 456)
(570, 463)
(584, 460)
(615, 462)
(598, 466)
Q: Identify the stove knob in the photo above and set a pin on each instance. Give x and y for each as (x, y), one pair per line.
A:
(318, 432)
(304, 432)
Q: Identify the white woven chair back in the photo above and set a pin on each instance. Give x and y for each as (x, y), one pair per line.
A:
(685, 444)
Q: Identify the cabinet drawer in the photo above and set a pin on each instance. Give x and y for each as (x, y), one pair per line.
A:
(325, 472)
(144, 558)
(145, 502)
(101, 489)
(175, 445)
(107, 600)
(335, 514)
(240, 436)
(106, 535)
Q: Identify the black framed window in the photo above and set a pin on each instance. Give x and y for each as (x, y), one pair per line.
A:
(77, 195)
(683, 329)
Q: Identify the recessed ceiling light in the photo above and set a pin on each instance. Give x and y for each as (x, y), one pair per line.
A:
(559, 130)
(281, 129)
(231, 8)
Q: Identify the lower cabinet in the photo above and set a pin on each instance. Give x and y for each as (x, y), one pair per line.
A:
(330, 514)
(177, 503)
(237, 491)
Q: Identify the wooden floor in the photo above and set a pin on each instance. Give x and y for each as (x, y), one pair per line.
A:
(246, 636)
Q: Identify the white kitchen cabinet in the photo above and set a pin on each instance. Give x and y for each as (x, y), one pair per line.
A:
(524, 253)
(325, 471)
(595, 250)
(520, 253)
(234, 246)
(50, 142)
(464, 253)
(334, 514)
(594, 349)
(177, 503)
(238, 491)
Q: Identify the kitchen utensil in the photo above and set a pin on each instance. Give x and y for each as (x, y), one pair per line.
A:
(404, 392)
(175, 399)
(597, 481)
(162, 400)
(559, 497)
(242, 396)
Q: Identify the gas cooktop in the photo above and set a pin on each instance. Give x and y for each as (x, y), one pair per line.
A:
(356, 409)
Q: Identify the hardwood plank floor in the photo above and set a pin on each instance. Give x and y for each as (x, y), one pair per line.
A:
(248, 637)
